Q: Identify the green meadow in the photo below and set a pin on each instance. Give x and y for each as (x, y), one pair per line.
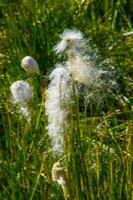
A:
(98, 155)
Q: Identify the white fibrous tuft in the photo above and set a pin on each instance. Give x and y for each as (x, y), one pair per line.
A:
(79, 65)
(58, 174)
(70, 39)
(21, 95)
(30, 65)
(56, 106)
(21, 91)
(81, 69)
(84, 66)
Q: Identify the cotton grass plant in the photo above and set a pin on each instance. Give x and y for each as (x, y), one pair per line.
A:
(97, 149)
(65, 153)
(95, 78)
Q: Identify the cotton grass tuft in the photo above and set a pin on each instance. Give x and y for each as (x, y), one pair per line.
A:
(58, 173)
(84, 66)
(56, 105)
(70, 39)
(21, 95)
(21, 91)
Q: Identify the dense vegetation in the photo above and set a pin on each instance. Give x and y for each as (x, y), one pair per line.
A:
(98, 153)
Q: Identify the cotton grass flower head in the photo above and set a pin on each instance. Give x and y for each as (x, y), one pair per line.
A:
(70, 39)
(58, 173)
(30, 65)
(56, 106)
(21, 95)
(84, 66)
(21, 91)
(73, 44)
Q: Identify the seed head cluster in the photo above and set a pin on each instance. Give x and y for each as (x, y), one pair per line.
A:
(91, 79)
(90, 75)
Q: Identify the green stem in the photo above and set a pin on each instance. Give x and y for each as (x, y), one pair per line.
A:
(37, 181)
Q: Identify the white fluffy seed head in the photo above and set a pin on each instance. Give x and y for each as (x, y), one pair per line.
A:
(30, 65)
(70, 39)
(74, 45)
(56, 106)
(85, 66)
(58, 173)
(21, 91)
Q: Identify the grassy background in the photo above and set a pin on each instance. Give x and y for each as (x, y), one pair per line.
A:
(98, 154)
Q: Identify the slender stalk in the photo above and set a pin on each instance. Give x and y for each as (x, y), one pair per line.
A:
(37, 181)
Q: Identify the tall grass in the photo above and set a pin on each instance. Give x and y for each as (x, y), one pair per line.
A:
(98, 148)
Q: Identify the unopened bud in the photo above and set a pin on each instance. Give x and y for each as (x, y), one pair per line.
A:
(30, 65)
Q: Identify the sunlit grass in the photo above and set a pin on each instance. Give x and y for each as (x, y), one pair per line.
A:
(98, 147)
(97, 155)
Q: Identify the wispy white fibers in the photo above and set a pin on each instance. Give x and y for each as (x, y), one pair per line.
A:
(82, 67)
(58, 173)
(70, 39)
(89, 73)
(72, 43)
(56, 106)
(21, 91)
(21, 95)
(30, 65)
